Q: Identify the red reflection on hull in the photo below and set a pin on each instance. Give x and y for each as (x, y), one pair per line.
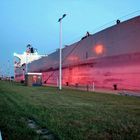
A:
(124, 71)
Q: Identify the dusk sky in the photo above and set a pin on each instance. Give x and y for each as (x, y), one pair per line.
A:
(35, 22)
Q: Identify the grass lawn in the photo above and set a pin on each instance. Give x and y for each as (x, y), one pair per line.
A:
(69, 114)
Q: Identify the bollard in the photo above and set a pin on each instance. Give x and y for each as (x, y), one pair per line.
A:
(67, 83)
(93, 86)
(115, 86)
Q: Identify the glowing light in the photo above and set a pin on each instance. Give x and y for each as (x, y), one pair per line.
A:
(99, 49)
(73, 58)
(34, 78)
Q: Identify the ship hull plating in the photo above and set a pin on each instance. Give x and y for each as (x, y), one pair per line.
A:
(107, 59)
(123, 71)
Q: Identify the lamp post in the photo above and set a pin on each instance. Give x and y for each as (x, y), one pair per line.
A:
(26, 66)
(8, 70)
(28, 51)
(60, 52)
(14, 54)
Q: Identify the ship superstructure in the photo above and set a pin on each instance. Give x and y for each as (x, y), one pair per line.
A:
(22, 61)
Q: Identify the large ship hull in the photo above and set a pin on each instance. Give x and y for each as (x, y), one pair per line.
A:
(107, 58)
(123, 71)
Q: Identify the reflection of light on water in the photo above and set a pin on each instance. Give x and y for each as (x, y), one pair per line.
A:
(99, 49)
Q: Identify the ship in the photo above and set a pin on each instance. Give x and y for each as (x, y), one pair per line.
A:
(109, 59)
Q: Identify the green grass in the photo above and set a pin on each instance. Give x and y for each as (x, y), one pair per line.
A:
(69, 114)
